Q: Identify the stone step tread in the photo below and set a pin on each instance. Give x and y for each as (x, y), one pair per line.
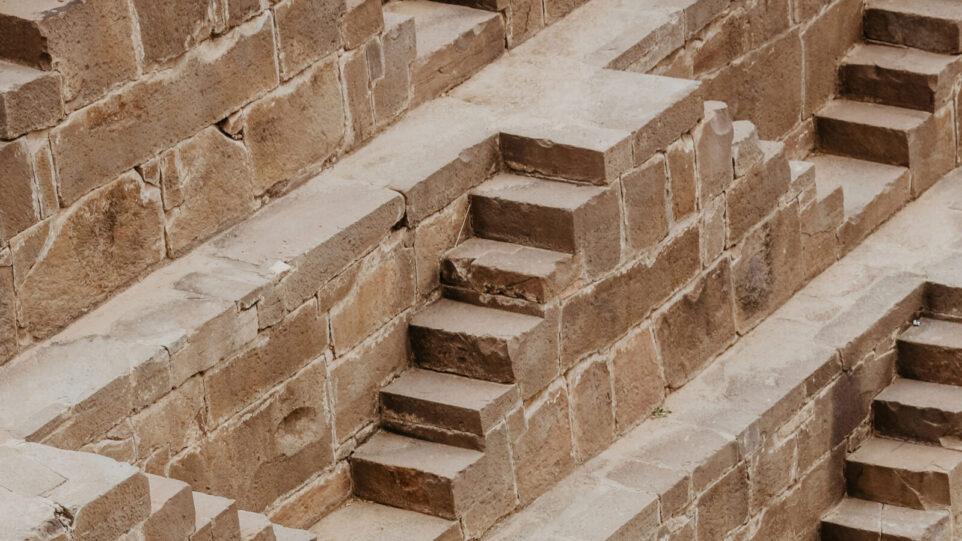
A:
(537, 192)
(861, 181)
(934, 332)
(360, 520)
(854, 517)
(483, 397)
(396, 451)
(905, 456)
(905, 59)
(211, 510)
(171, 508)
(23, 517)
(510, 257)
(939, 9)
(438, 25)
(255, 527)
(874, 115)
(467, 319)
(283, 533)
(923, 395)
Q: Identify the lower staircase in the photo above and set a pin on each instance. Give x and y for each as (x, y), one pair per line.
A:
(905, 481)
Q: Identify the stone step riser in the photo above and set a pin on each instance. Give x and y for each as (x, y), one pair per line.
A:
(859, 520)
(931, 352)
(898, 88)
(862, 141)
(927, 32)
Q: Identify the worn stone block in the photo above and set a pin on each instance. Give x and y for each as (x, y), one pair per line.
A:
(17, 207)
(169, 29)
(29, 99)
(713, 230)
(317, 499)
(356, 73)
(592, 415)
(362, 20)
(724, 506)
(681, 171)
(306, 31)
(824, 42)
(639, 385)
(523, 19)
(754, 196)
(435, 236)
(393, 90)
(722, 42)
(542, 447)
(170, 425)
(713, 151)
(771, 471)
(8, 315)
(644, 189)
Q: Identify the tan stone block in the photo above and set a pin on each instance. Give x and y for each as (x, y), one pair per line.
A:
(43, 169)
(283, 442)
(592, 416)
(681, 172)
(542, 450)
(937, 148)
(276, 355)
(316, 499)
(713, 151)
(697, 326)
(306, 31)
(753, 197)
(724, 506)
(298, 125)
(29, 99)
(206, 183)
(17, 207)
(99, 244)
(96, 144)
(646, 220)
(523, 19)
(383, 287)
(169, 29)
(8, 316)
(239, 11)
(170, 425)
(435, 236)
(639, 386)
(713, 230)
(556, 9)
(362, 20)
(722, 42)
(25, 248)
(356, 378)
(824, 42)
(771, 472)
(393, 90)
(765, 267)
(356, 73)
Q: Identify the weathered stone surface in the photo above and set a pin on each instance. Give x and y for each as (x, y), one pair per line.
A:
(216, 518)
(755, 195)
(29, 99)
(644, 189)
(170, 29)
(681, 171)
(592, 415)
(542, 447)
(30, 518)
(932, 26)
(697, 326)
(306, 31)
(115, 233)
(169, 425)
(17, 207)
(931, 352)
(523, 19)
(362, 19)
(392, 91)
(365, 521)
(206, 184)
(919, 410)
(434, 237)
(713, 230)
(746, 149)
(8, 315)
(869, 131)
(96, 144)
(713, 151)
(639, 386)
(724, 506)
(356, 67)
(313, 502)
(824, 42)
(171, 510)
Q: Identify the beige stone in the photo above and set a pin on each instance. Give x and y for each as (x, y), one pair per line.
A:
(724, 506)
(755, 195)
(713, 230)
(771, 470)
(306, 31)
(170, 29)
(436, 235)
(17, 207)
(639, 386)
(523, 19)
(393, 90)
(722, 42)
(309, 504)
(29, 99)
(8, 316)
(170, 425)
(646, 220)
(362, 20)
(556, 9)
(681, 171)
(295, 127)
(592, 415)
(114, 233)
(542, 450)
(356, 73)
(824, 42)
(713, 151)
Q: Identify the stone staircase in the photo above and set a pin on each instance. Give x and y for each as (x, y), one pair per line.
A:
(904, 482)
(52, 494)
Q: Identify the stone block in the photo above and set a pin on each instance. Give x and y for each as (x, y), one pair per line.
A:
(937, 145)
(697, 326)
(713, 139)
(556, 9)
(542, 447)
(645, 215)
(318, 498)
(824, 42)
(393, 90)
(713, 230)
(435, 236)
(724, 506)
(356, 73)
(169, 29)
(754, 196)
(207, 184)
(722, 42)
(8, 316)
(523, 19)
(639, 386)
(362, 20)
(170, 425)
(771, 472)
(746, 148)
(681, 172)
(299, 125)
(96, 144)
(264, 455)
(592, 414)
(17, 207)
(99, 244)
(307, 30)
(29, 99)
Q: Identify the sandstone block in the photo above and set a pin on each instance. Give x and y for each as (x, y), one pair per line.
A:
(170, 29)
(115, 233)
(542, 448)
(723, 41)
(239, 11)
(770, 472)
(644, 190)
(171, 510)
(932, 26)
(435, 236)
(366, 521)
(824, 42)
(713, 151)
(713, 230)
(639, 386)
(216, 518)
(170, 425)
(207, 184)
(29, 100)
(681, 171)
(754, 196)
(17, 208)
(556, 9)
(393, 90)
(523, 19)
(299, 125)
(362, 20)
(214, 79)
(8, 316)
(592, 415)
(356, 73)
(313, 502)
(746, 148)
(30, 518)
(595, 156)
(724, 506)
(306, 31)
(697, 326)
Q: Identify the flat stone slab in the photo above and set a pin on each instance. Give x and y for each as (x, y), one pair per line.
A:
(365, 521)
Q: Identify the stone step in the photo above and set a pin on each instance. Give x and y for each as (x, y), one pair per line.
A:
(215, 518)
(172, 514)
(445, 408)
(485, 343)
(415, 474)
(856, 520)
(932, 25)
(746, 147)
(29, 99)
(29, 517)
(283, 533)
(491, 267)
(359, 520)
(932, 352)
(899, 76)
(905, 474)
(559, 216)
(255, 527)
(453, 42)
(870, 131)
(871, 193)
(920, 410)
(103, 497)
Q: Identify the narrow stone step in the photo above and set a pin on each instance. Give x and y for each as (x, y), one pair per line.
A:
(415, 474)
(932, 352)
(283, 533)
(932, 25)
(905, 474)
(216, 518)
(871, 193)
(485, 343)
(255, 527)
(899, 76)
(559, 216)
(870, 131)
(856, 520)
(453, 42)
(492, 267)
(445, 408)
(172, 514)
(29, 99)
(359, 520)
(920, 410)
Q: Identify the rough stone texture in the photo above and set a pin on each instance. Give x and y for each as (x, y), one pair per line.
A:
(646, 219)
(17, 208)
(681, 172)
(8, 315)
(724, 506)
(115, 233)
(639, 385)
(713, 151)
(592, 416)
(365, 521)
(170, 29)
(755, 195)
(713, 230)
(746, 149)
(932, 26)
(29, 100)
(825, 42)
(316, 500)
(362, 19)
(307, 30)
(434, 237)
(542, 446)
(392, 92)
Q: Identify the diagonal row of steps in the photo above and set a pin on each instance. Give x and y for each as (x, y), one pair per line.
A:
(906, 482)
